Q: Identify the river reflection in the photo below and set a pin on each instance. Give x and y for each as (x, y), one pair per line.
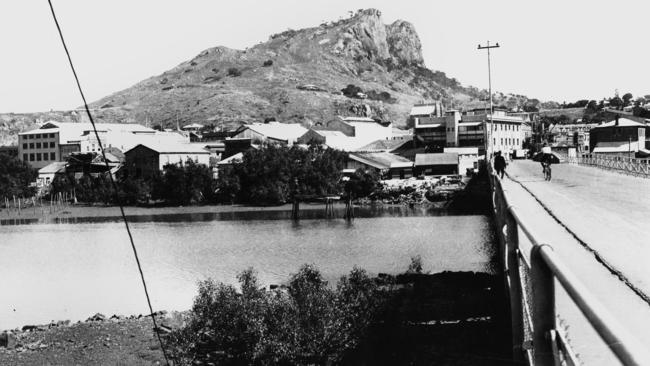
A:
(55, 272)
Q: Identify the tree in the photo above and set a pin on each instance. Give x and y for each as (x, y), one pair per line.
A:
(351, 91)
(616, 102)
(234, 72)
(627, 98)
(16, 176)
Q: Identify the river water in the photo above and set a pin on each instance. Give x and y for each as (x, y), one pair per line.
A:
(71, 271)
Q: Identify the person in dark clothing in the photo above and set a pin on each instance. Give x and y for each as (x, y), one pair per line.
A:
(499, 164)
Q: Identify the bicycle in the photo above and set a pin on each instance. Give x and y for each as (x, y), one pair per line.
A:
(547, 171)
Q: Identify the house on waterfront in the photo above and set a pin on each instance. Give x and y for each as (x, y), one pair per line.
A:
(271, 132)
(620, 137)
(468, 158)
(436, 164)
(147, 159)
(387, 165)
(47, 173)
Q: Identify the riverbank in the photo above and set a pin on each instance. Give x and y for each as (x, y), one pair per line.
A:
(117, 340)
(453, 318)
(87, 213)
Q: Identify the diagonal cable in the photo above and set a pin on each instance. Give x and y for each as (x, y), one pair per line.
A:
(113, 184)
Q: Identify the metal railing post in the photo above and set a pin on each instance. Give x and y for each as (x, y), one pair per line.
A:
(543, 286)
(512, 266)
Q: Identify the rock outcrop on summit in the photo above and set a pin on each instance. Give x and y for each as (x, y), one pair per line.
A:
(295, 76)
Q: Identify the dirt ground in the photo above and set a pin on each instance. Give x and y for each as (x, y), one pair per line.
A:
(102, 341)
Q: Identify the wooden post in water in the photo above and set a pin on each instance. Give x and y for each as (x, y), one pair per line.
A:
(295, 210)
(349, 209)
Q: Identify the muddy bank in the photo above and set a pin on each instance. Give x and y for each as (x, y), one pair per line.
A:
(447, 318)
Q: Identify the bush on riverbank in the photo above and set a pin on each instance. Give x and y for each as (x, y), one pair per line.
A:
(273, 174)
(15, 177)
(304, 323)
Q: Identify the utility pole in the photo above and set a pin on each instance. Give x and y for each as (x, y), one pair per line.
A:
(489, 141)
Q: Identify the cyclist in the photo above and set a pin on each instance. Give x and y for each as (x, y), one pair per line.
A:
(546, 160)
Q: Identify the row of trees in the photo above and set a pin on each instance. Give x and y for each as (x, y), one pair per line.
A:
(273, 174)
(190, 183)
(267, 176)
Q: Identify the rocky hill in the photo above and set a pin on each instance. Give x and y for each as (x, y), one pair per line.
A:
(295, 76)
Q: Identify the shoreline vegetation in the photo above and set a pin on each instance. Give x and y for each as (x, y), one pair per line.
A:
(470, 199)
(410, 318)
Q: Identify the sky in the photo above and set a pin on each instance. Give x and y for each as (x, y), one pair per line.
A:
(550, 49)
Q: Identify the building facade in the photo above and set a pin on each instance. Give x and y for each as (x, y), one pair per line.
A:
(500, 132)
(55, 141)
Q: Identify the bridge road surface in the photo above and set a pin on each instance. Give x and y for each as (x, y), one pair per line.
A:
(609, 213)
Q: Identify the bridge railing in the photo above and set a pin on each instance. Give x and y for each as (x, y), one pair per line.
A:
(633, 166)
(530, 282)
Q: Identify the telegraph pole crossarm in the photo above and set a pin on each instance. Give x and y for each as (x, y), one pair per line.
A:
(489, 141)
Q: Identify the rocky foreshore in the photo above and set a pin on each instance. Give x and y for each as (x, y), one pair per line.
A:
(99, 340)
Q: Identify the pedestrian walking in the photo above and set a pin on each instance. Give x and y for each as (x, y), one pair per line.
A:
(500, 164)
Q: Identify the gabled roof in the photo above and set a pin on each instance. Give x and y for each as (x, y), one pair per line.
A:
(53, 168)
(436, 159)
(235, 159)
(383, 145)
(192, 126)
(171, 147)
(277, 130)
(381, 160)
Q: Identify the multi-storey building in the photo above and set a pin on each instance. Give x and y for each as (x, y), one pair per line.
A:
(54, 141)
(475, 128)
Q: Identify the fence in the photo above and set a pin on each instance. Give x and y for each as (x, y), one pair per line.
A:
(530, 283)
(637, 167)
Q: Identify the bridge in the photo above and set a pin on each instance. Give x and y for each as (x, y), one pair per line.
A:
(575, 253)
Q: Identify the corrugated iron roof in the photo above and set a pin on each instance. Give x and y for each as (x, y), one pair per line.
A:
(436, 159)
(381, 160)
(279, 131)
(622, 122)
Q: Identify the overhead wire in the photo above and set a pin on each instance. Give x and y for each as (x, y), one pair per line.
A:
(113, 184)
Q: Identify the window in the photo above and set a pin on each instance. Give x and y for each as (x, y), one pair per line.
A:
(24, 157)
(24, 146)
(29, 137)
(52, 144)
(52, 156)
(31, 145)
(51, 135)
(38, 145)
(31, 157)
(45, 156)
(38, 156)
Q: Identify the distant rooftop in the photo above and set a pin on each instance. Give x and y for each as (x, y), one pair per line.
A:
(436, 159)
(279, 131)
(381, 160)
(622, 122)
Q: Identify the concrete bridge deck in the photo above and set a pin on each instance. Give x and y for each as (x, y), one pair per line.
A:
(599, 223)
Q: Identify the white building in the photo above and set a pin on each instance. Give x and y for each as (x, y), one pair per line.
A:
(54, 141)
